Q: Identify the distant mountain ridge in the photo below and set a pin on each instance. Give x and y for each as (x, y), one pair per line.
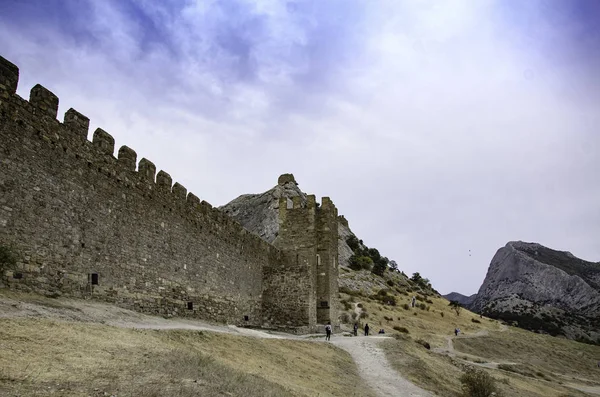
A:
(542, 289)
(464, 300)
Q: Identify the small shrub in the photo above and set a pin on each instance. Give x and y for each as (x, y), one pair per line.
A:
(475, 321)
(354, 315)
(424, 343)
(406, 306)
(386, 318)
(359, 305)
(422, 306)
(345, 318)
(401, 329)
(477, 383)
(429, 301)
(414, 313)
(364, 315)
(428, 307)
(442, 314)
(399, 318)
(346, 290)
(390, 283)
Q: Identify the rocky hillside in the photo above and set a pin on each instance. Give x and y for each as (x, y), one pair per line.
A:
(258, 213)
(464, 300)
(544, 290)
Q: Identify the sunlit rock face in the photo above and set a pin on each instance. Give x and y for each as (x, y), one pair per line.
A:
(543, 290)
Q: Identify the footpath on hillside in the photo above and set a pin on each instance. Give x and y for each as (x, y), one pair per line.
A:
(374, 367)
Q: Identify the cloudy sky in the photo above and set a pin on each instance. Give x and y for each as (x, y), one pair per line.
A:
(441, 129)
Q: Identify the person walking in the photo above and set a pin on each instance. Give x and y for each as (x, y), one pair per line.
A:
(366, 329)
(328, 331)
(355, 329)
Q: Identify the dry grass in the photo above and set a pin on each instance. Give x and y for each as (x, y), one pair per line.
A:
(428, 370)
(46, 357)
(539, 353)
(542, 359)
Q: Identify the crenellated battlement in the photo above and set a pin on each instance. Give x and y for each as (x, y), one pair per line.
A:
(75, 210)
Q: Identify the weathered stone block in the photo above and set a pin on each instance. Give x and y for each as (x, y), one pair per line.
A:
(104, 141)
(44, 100)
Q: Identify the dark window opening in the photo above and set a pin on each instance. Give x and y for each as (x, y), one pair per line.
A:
(190, 305)
(246, 318)
(324, 304)
(18, 276)
(82, 245)
(94, 278)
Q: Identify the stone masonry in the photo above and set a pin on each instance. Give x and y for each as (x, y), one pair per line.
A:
(85, 224)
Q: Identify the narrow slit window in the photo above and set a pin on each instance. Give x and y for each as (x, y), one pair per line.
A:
(324, 304)
(94, 278)
(246, 318)
(18, 276)
(190, 305)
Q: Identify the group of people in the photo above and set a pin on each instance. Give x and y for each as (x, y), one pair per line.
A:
(366, 329)
(328, 330)
(356, 329)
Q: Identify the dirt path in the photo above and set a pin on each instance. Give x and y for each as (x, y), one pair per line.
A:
(375, 369)
(472, 359)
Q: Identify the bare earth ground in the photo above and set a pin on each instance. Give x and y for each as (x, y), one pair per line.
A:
(372, 364)
(375, 369)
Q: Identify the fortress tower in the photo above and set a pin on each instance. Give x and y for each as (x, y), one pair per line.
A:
(308, 238)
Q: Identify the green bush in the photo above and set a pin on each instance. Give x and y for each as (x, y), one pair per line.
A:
(442, 314)
(422, 306)
(477, 383)
(406, 306)
(390, 283)
(474, 320)
(360, 262)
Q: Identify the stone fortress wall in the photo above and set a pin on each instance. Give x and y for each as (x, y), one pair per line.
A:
(86, 224)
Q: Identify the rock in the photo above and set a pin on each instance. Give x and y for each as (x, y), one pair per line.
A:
(543, 290)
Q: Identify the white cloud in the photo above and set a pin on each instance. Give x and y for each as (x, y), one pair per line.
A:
(430, 129)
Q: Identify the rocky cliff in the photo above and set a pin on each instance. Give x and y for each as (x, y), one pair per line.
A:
(544, 290)
(258, 213)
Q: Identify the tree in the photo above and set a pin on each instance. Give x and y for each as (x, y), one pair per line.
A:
(393, 265)
(416, 277)
(353, 242)
(379, 268)
(456, 306)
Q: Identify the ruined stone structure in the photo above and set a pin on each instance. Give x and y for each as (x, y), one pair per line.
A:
(83, 223)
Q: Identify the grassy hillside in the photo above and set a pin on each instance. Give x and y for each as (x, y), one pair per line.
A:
(523, 363)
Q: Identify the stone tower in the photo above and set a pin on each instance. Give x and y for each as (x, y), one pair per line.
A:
(308, 237)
